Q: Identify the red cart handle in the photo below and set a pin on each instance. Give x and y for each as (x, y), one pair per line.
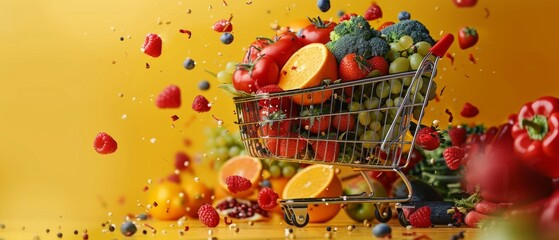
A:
(442, 45)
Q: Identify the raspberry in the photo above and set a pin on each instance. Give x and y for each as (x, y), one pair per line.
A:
(152, 45)
(237, 184)
(201, 104)
(428, 139)
(453, 157)
(182, 161)
(104, 143)
(457, 136)
(170, 97)
(208, 215)
(469, 110)
(421, 218)
(267, 198)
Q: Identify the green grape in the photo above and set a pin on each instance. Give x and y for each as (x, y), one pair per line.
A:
(406, 81)
(288, 171)
(222, 154)
(405, 42)
(433, 91)
(423, 48)
(375, 126)
(230, 67)
(275, 171)
(224, 77)
(400, 64)
(416, 112)
(234, 151)
(368, 89)
(220, 141)
(415, 61)
(424, 86)
(371, 103)
(395, 86)
(392, 55)
(395, 47)
(398, 101)
(382, 90)
(389, 103)
(364, 118)
(386, 128)
(377, 116)
(355, 106)
(371, 139)
(418, 98)
(359, 129)
(416, 85)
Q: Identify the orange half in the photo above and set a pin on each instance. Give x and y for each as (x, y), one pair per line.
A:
(244, 166)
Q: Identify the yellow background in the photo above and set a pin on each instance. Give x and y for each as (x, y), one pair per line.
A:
(59, 85)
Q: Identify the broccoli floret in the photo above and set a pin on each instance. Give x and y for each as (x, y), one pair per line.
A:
(355, 25)
(359, 45)
(412, 28)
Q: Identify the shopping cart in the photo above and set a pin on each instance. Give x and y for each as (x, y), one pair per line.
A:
(383, 106)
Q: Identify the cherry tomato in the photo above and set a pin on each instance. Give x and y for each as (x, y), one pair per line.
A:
(250, 77)
(255, 48)
(243, 82)
(317, 32)
(283, 48)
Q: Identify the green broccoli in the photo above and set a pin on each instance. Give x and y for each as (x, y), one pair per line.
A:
(412, 28)
(359, 45)
(355, 25)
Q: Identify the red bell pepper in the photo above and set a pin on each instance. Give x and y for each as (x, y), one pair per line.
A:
(536, 135)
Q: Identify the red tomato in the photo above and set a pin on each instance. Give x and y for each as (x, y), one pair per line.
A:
(254, 49)
(317, 32)
(250, 77)
(283, 48)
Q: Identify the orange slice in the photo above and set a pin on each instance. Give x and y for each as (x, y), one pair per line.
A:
(316, 181)
(306, 68)
(245, 166)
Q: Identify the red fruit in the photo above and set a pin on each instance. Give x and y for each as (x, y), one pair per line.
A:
(457, 136)
(104, 143)
(344, 122)
(316, 124)
(384, 25)
(174, 178)
(464, 3)
(237, 184)
(473, 218)
(288, 146)
(353, 67)
(469, 110)
(201, 104)
(326, 150)
(208, 215)
(428, 139)
(152, 45)
(267, 198)
(170, 97)
(223, 25)
(347, 16)
(453, 157)
(273, 123)
(467, 37)
(182, 161)
(373, 12)
(380, 64)
(281, 102)
(486, 207)
(421, 218)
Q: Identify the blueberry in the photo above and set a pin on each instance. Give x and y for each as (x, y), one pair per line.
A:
(265, 183)
(128, 229)
(323, 5)
(142, 216)
(189, 63)
(227, 38)
(404, 15)
(381, 230)
(340, 13)
(204, 85)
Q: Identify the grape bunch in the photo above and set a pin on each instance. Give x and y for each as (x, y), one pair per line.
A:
(222, 145)
(279, 169)
(226, 75)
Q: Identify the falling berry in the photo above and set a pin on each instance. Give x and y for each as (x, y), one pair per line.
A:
(404, 15)
(204, 85)
(227, 38)
(128, 229)
(189, 64)
(104, 143)
(323, 5)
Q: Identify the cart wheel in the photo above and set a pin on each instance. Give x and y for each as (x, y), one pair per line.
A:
(296, 222)
(286, 219)
(381, 217)
(402, 218)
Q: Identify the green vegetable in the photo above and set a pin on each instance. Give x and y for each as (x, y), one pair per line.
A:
(354, 26)
(358, 44)
(412, 28)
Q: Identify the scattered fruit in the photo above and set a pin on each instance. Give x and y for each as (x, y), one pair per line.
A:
(237, 184)
(421, 217)
(244, 166)
(227, 38)
(464, 3)
(469, 110)
(152, 45)
(428, 139)
(209, 216)
(128, 228)
(467, 37)
(453, 157)
(166, 201)
(201, 104)
(323, 5)
(382, 230)
(104, 143)
(373, 12)
(267, 198)
(170, 97)
(189, 64)
(404, 15)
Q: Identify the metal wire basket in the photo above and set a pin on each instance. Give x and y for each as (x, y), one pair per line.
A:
(363, 124)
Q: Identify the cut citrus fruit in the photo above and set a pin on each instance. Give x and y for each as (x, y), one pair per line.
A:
(166, 201)
(244, 166)
(316, 181)
(306, 68)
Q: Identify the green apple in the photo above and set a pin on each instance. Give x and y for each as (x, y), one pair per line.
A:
(362, 211)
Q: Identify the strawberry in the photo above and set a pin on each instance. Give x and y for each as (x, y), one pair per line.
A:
(421, 218)
(379, 63)
(313, 122)
(326, 150)
(201, 104)
(473, 218)
(453, 157)
(469, 110)
(282, 102)
(288, 146)
(273, 123)
(152, 45)
(182, 161)
(347, 16)
(373, 12)
(223, 25)
(344, 122)
(170, 97)
(353, 67)
(428, 139)
(384, 25)
(467, 37)
(104, 143)
(457, 136)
